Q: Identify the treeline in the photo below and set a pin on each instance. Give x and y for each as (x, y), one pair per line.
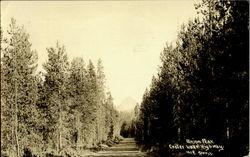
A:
(127, 123)
(64, 110)
(202, 87)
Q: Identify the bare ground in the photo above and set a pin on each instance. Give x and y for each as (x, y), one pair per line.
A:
(126, 148)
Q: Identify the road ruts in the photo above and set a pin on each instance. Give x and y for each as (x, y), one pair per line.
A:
(126, 148)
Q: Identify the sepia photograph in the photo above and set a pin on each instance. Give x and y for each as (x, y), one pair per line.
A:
(125, 78)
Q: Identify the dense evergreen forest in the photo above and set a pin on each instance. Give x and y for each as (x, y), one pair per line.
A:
(202, 87)
(201, 90)
(64, 110)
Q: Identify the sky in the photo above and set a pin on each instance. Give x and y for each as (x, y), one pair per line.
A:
(128, 36)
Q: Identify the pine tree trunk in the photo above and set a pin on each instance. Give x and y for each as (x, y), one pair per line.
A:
(99, 130)
(13, 117)
(228, 130)
(16, 109)
(78, 135)
(60, 127)
(98, 125)
(179, 133)
(16, 133)
(16, 120)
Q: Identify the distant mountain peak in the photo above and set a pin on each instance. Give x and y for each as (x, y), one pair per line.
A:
(128, 104)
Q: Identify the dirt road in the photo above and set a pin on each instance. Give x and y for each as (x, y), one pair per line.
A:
(126, 148)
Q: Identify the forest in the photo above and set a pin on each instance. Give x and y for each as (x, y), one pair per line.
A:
(64, 110)
(201, 90)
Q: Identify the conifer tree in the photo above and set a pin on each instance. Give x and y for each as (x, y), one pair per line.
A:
(55, 86)
(101, 100)
(77, 92)
(19, 92)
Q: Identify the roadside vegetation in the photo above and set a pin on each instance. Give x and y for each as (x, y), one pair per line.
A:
(201, 89)
(65, 110)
